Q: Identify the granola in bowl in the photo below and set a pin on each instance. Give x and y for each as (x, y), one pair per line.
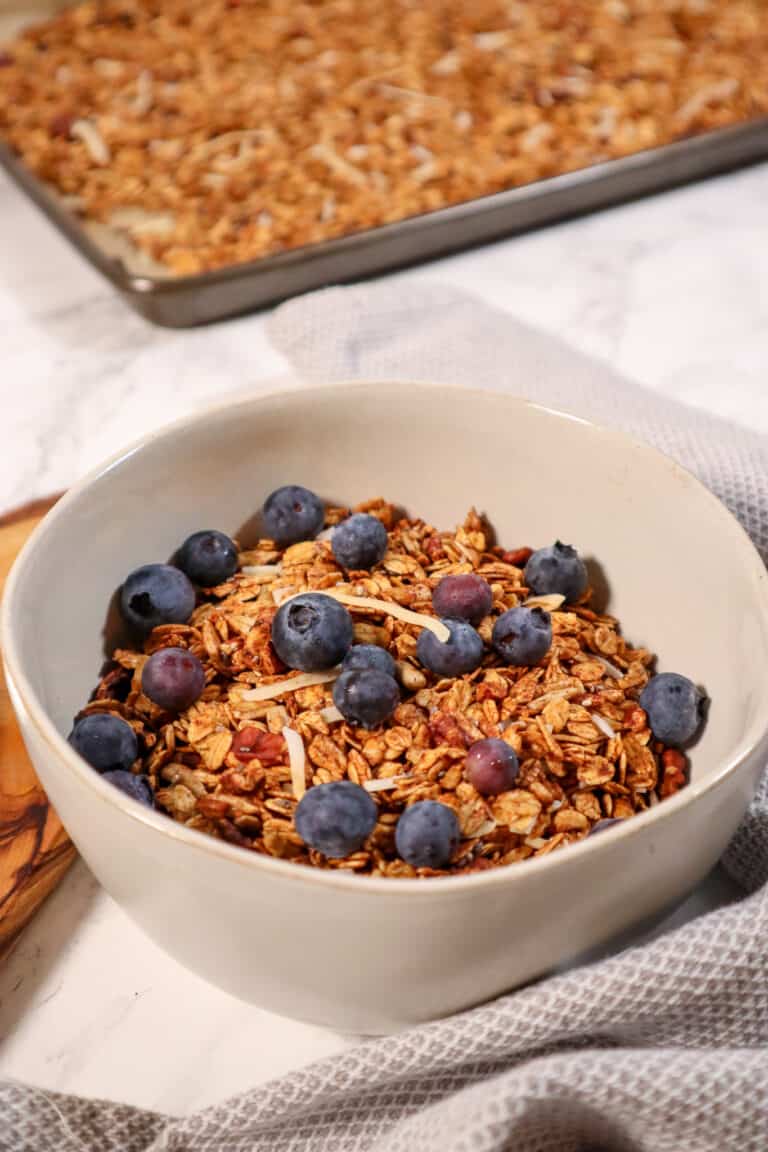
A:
(361, 691)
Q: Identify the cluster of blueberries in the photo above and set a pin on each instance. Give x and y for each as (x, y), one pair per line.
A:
(172, 678)
(314, 632)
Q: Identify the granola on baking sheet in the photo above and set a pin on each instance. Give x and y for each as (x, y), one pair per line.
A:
(237, 761)
(218, 131)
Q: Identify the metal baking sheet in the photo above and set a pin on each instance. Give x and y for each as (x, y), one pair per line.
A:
(182, 302)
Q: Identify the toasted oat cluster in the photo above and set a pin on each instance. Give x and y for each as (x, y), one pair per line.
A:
(260, 736)
(219, 131)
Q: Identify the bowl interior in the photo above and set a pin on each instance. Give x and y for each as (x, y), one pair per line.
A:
(679, 572)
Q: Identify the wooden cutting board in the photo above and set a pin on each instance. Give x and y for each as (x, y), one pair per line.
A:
(35, 851)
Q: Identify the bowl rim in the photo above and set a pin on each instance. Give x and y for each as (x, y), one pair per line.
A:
(24, 696)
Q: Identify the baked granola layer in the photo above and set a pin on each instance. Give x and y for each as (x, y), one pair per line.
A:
(221, 131)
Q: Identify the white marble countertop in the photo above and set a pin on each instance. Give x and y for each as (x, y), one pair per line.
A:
(672, 290)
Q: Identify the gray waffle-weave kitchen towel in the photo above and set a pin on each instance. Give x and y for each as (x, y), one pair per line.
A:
(659, 1049)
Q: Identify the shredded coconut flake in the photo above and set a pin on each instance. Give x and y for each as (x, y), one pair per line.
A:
(709, 94)
(555, 694)
(569, 86)
(296, 760)
(535, 841)
(170, 149)
(142, 223)
(293, 684)
(424, 172)
(399, 613)
(602, 725)
(490, 41)
(144, 98)
(94, 142)
(535, 136)
(227, 139)
(611, 669)
(337, 164)
(331, 715)
(549, 603)
(280, 595)
(104, 67)
(213, 179)
(385, 784)
(606, 123)
(268, 571)
(410, 94)
(447, 65)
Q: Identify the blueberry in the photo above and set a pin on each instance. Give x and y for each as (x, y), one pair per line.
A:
(208, 558)
(292, 513)
(173, 678)
(369, 656)
(557, 569)
(360, 541)
(156, 594)
(463, 652)
(522, 635)
(336, 818)
(427, 834)
(492, 766)
(137, 787)
(366, 696)
(674, 705)
(105, 741)
(465, 597)
(312, 632)
(603, 826)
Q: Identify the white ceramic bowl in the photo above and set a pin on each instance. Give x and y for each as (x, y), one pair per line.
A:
(365, 954)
